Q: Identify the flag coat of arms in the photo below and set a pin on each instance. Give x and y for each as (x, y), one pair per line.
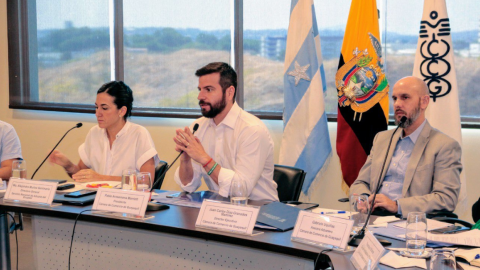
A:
(362, 89)
(434, 64)
(306, 141)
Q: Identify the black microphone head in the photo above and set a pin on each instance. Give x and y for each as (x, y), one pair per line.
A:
(79, 125)
(403, 120)
(195, 127)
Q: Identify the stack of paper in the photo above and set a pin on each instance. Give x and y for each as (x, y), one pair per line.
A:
(383, 221)
(396, 261)
(390, 231)
(398, 233)
(431, 224)
(162, 198)
(472, 256)
(467, 238)
(465, 266)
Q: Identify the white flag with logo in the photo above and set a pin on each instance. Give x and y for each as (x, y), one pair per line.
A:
(434, 64)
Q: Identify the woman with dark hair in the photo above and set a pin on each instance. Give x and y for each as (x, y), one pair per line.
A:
(113, 145)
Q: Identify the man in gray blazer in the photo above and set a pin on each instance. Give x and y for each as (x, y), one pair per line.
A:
(422, 170)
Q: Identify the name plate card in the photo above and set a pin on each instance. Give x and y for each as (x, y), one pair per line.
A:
(28, 191)
(319, 230)
(121, 201)
(368, 253)
(227, 217)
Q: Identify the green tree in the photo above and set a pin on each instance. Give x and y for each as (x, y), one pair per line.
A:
(168, 39)
(206, 41)
(75, 39)
(139, 41)
(251, 45)
(162, 40)
(224, 43)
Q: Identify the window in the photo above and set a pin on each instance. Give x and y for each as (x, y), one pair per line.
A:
(73, 57)
(61, 51)
(331, 30)
(265, 25)
(163, 49)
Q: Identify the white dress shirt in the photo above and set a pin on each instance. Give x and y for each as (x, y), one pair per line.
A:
(132, 147)
(242, 146)
(9, 143)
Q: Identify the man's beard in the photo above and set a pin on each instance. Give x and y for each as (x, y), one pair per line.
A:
(214, 109)
(411, 119)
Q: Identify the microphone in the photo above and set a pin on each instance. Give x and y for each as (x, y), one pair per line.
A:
(151, 206)
(357, 238)
(78, 125)
(195, 127)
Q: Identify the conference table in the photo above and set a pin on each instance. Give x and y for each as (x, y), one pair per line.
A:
(169, 240)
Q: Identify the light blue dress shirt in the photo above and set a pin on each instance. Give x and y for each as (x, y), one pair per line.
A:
(393, 182)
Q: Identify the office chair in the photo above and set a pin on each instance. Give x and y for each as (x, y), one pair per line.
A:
(159, 170)
(289, 182)
(449, 217)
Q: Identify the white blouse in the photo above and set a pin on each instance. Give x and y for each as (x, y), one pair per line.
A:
(132, 147)
(9, 143)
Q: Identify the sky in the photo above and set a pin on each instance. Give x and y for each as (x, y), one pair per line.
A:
(403, 16)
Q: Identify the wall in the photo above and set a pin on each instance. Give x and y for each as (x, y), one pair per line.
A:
(39, 131)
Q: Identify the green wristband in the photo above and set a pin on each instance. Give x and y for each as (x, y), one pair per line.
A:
(212, 169)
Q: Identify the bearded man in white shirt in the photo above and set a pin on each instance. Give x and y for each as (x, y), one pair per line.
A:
(229, 144)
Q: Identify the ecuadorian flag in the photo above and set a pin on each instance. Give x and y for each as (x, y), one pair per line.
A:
(362, 89)
(306, 142)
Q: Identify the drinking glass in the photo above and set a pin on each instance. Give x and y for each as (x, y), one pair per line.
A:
(143, 182)
(128, 177)
(443, 259)
(358, 211)
(416, 233)
(19, 169)
(238, 192)
(3, 184)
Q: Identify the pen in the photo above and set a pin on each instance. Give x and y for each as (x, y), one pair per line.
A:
(335, 212)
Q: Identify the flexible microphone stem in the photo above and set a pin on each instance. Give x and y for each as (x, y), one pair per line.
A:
(78, 125)
(195, 127)
(361, 233)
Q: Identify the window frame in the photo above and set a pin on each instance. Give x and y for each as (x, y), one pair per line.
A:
(21, 20)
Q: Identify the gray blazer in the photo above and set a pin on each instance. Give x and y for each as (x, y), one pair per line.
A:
(432, 179)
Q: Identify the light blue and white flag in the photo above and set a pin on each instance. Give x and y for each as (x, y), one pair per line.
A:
(306, 141)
